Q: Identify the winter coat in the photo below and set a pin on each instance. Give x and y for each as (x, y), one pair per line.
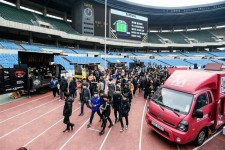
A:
(67, 111)
(117, 98)
(72, 87)
(127, 91)
(85, 95)
(100, 86)
(63, 85)
(124, 108)
(111, 89)
(106, 112)
(95, 103)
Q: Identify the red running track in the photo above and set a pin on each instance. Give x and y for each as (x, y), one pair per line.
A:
(37, 123)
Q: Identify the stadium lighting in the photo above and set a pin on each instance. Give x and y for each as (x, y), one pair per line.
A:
(105, 29)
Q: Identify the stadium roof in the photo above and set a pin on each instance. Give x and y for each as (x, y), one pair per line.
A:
(165, 18)
(172, 3)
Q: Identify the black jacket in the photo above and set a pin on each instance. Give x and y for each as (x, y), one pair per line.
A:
(124, 108)
(117, 98)
(72, 87)
(63, 85)
(107, 110)
(85, 95)
(127, 91)
(67, 111)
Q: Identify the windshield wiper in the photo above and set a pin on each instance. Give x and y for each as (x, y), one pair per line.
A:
(175, 111)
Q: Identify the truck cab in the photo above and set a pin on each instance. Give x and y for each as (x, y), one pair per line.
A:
(189, 106)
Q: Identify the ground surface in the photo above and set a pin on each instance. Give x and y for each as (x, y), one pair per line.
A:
(36, 123)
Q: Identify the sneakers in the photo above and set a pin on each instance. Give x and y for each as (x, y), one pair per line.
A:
(121, 130)
(101, 132)
(89, 125)
(72, 126)
(66, 130)
(81, 114)
(111, 125)
(126, 127)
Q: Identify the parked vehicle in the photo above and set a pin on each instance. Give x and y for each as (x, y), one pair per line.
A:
(189, 106)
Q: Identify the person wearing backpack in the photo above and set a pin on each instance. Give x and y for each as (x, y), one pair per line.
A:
(63, 87)
(124, 111)
(117, 98)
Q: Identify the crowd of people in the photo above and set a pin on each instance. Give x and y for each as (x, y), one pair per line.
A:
(121, 86)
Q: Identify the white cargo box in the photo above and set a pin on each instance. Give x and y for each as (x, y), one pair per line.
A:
(224, 130)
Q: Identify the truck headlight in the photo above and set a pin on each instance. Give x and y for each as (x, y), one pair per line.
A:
(183, 126)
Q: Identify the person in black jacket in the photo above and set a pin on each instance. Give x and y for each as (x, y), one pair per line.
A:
(106, 114)
(124, 110)
(85, 98)
(63, 87)
(127, 91)
(117, 98)
(67, 112)
(72, 88)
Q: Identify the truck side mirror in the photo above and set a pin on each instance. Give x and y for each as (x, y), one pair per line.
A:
(197, 113)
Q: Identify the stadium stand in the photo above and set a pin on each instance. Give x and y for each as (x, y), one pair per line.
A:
(154, 38)
(86, 60)
(218, 32)
(152, 62)
(202, 36)
(10, 45)
(63, 62)
(116, 60)
(8, 60)
(199, 62)
(175, 37)
(193, 54)
(22, 16)
(39, 48)
(218, 54)
(175, 62)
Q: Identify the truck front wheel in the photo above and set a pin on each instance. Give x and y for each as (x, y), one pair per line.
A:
(200, 138)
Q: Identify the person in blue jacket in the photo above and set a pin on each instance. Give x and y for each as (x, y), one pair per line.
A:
(95, 107)
(53, 85)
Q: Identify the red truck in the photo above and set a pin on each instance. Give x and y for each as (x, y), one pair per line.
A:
(189, 106)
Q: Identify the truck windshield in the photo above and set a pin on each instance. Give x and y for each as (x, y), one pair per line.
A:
(173, 100)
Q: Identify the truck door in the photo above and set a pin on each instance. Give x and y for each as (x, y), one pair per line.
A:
(204, 103)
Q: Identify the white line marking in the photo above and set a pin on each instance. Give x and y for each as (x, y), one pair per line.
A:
(94, 129)
(29, 122)
(208, 140)
(142, 120)
(105, 139)
(25, 112)
(73, 135)
(47, 130)
(24, 103)
(178, 148)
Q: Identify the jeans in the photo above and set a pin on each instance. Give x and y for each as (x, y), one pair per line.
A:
(92, 115)
(121, 121)
(82, 106)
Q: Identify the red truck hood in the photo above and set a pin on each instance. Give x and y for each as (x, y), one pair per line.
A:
(165, 116)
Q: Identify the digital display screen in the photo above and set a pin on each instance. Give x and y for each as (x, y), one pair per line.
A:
(128, 26)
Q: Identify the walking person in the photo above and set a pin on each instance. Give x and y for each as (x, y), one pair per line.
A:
(124, 111)
(67, 112)
(63, 87)
(106, 114)
(54, 86)
(117, 98)
(85, 97)
(95, 107)
(72, 88)
(111, 89)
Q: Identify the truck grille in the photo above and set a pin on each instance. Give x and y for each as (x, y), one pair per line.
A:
(162, 120)
(163, 132)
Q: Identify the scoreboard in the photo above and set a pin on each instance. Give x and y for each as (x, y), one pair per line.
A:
(89, 20)
(128, 26)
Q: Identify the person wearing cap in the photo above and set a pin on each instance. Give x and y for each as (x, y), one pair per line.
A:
(95, 107)
(117, 98)
(67, 112)
(85, 97)
(123, 111)
(106, 114)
